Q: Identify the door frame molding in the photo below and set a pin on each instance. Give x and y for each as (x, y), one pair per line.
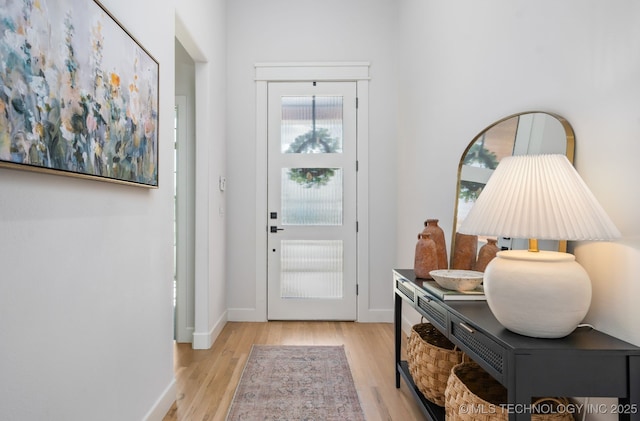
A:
(357, 72)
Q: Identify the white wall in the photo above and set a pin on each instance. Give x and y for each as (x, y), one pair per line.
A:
(86, 277)
(465, 64)
(309, 31)
(86, 314)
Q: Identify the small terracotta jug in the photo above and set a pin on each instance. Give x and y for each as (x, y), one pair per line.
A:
(426, 258)
(486, 254)
(464, 251)
(437, 235)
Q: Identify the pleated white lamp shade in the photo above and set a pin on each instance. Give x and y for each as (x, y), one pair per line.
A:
(539, 197)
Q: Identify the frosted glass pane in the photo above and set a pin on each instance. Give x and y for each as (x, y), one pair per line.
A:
(311, 269)
(311, 196)
(311, 124)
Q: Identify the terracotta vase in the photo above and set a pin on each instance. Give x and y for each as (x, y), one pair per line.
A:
(437, 235)
(464, 252)
(426, 258)
(486, 254)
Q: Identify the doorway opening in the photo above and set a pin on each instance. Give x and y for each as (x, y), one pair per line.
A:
(184, 196)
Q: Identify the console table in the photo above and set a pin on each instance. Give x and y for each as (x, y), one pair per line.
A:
(587, 363)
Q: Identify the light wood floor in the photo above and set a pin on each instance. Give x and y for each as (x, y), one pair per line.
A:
(207, 379)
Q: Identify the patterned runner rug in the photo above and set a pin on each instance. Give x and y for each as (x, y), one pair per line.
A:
(296, 383)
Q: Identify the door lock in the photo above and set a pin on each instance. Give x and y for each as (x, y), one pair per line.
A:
(275, 229)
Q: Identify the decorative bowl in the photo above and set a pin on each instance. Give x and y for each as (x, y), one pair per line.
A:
(457, 280)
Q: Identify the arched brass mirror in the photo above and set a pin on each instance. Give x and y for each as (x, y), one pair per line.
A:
(518, 134)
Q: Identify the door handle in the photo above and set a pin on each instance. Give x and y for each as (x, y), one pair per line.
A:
(275, 229)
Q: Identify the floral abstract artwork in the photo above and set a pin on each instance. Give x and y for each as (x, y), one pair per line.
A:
(78, 95)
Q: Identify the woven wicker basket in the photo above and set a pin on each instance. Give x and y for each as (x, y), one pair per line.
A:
(473, 395)
(555, 404)
(431, 356)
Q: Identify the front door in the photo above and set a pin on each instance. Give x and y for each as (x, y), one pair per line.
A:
(312, 226)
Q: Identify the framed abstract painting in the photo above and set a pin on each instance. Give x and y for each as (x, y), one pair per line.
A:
(78, 94)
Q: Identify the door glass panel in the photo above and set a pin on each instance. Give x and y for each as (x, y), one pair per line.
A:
(311, 269)
(311, 196)
(311, 124)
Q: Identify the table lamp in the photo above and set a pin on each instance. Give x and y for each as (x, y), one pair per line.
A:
(543, 294)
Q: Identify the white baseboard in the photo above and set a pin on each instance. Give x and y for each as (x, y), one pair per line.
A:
(187, 336)
(163, 404)
(205, 340)
(253, 315)
(246, 315)
(376, 316)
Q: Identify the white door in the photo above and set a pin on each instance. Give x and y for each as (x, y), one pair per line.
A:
(312, 226)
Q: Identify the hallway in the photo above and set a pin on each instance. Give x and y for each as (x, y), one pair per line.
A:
(206, 379)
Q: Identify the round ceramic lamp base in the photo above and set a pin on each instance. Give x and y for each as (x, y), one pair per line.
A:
(541, 294)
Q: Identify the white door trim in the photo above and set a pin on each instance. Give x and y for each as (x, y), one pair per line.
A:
(298, 72)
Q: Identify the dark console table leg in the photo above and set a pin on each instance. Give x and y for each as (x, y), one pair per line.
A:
(397, 322)
(633, 403)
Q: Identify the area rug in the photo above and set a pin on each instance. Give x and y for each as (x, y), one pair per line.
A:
(296, 383)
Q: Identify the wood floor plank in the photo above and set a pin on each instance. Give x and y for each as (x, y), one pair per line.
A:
(207, 379)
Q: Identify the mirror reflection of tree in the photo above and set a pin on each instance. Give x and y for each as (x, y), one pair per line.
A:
(469, 190)
(479, 156)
